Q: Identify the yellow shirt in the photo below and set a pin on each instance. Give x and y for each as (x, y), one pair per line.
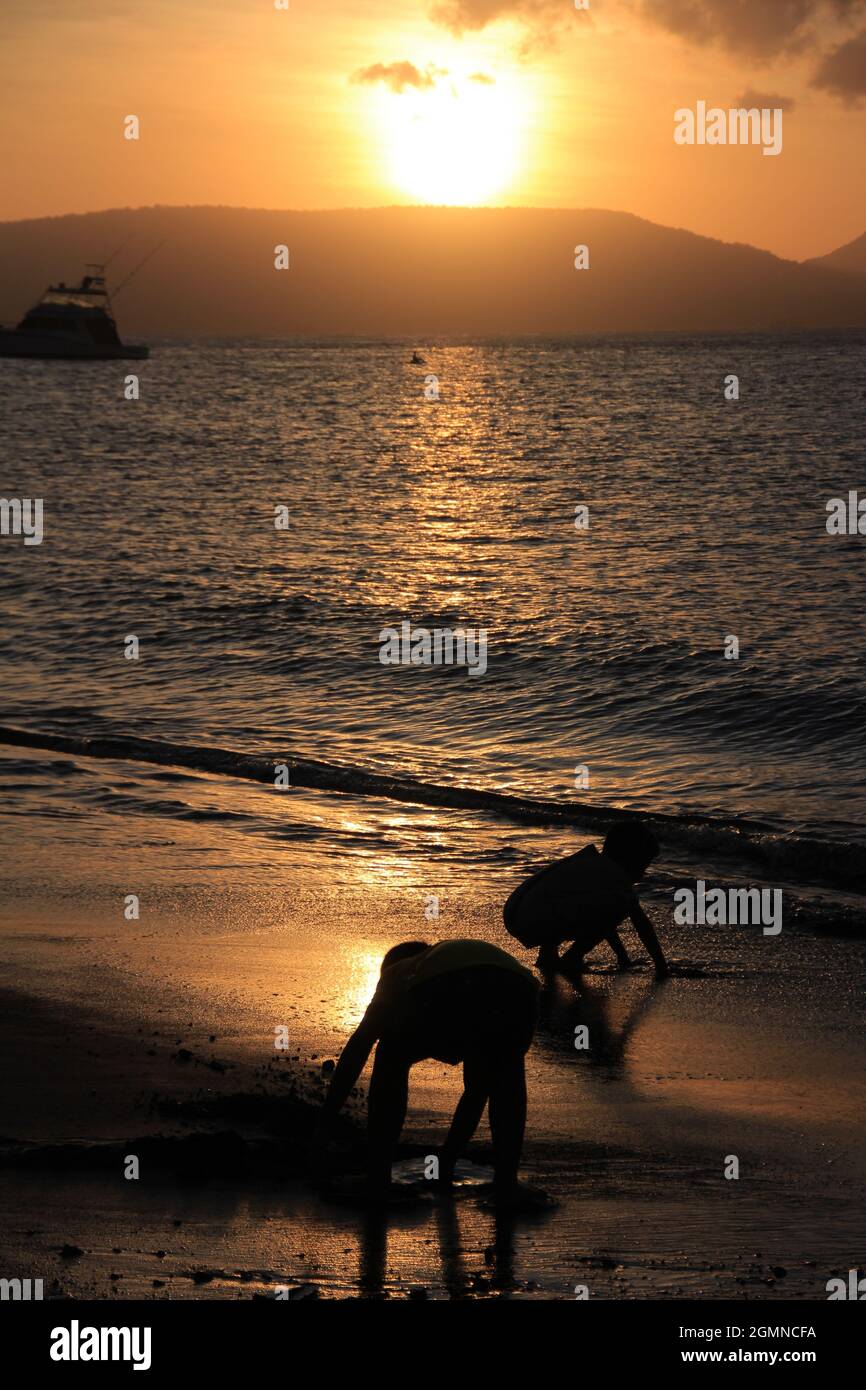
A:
(446, 956)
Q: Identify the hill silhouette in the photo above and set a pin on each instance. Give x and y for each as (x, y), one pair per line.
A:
(850, 259)
(420, 272)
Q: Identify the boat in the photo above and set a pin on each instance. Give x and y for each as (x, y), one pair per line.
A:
(71, 321)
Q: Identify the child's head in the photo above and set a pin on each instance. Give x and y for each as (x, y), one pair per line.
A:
(633, 847)
(402, 952)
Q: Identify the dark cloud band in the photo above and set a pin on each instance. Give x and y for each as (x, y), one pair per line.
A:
(843, 71)
(399, 76)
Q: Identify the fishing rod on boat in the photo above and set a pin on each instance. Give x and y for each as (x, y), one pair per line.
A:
(133, 273)
(114, 255)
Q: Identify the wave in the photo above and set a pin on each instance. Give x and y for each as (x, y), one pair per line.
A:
(838, 864)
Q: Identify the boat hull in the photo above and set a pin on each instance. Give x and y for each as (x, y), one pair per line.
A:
(68, 349)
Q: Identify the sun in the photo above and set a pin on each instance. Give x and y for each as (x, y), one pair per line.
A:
(456, 142)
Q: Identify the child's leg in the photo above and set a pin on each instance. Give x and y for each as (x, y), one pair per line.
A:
(548, 957)
(548, 935)
(622, 956)
(507, 1104)
(566, 920)
(467, 1116)
(572, 961)
(582, 943)
(508, 1120)
(386, 1111)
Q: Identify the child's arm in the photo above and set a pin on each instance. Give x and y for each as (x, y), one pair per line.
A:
(352, 1061)
(647, 933)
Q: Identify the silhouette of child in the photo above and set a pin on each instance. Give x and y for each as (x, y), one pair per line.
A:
(457, 1001)
(583, 899)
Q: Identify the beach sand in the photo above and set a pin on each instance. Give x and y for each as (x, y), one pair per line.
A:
(156, 1038)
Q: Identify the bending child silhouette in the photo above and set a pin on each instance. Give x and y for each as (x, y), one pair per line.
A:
(583, 899)
(457, 1001)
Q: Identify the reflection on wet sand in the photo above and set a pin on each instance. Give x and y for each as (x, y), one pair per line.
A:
(459, 1274)
(610, 1017)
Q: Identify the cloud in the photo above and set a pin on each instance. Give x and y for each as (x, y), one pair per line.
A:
(541, 23)
(751, 29)
(399, 76)
(759, 28)
(750, 100)
(843, 70)
(461, 15)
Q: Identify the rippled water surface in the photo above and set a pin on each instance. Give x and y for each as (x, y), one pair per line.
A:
(605, 646)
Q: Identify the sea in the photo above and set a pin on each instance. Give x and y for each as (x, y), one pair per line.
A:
(669, 628)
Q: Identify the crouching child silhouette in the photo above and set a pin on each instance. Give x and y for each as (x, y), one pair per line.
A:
(583, 899)
(457, 1001)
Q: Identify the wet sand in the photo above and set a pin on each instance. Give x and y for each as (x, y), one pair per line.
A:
(158, 1039)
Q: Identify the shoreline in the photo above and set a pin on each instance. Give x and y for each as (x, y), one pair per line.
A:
(829, 862)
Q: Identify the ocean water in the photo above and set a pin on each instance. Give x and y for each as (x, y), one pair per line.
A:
(605, 646)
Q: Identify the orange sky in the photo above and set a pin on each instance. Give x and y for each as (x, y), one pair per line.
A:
(351, 103)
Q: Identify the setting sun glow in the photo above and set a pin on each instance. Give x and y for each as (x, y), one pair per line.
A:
(456, 142)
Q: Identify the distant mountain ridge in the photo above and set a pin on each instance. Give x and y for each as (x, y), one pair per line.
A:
(422, 272)
(850, 259)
